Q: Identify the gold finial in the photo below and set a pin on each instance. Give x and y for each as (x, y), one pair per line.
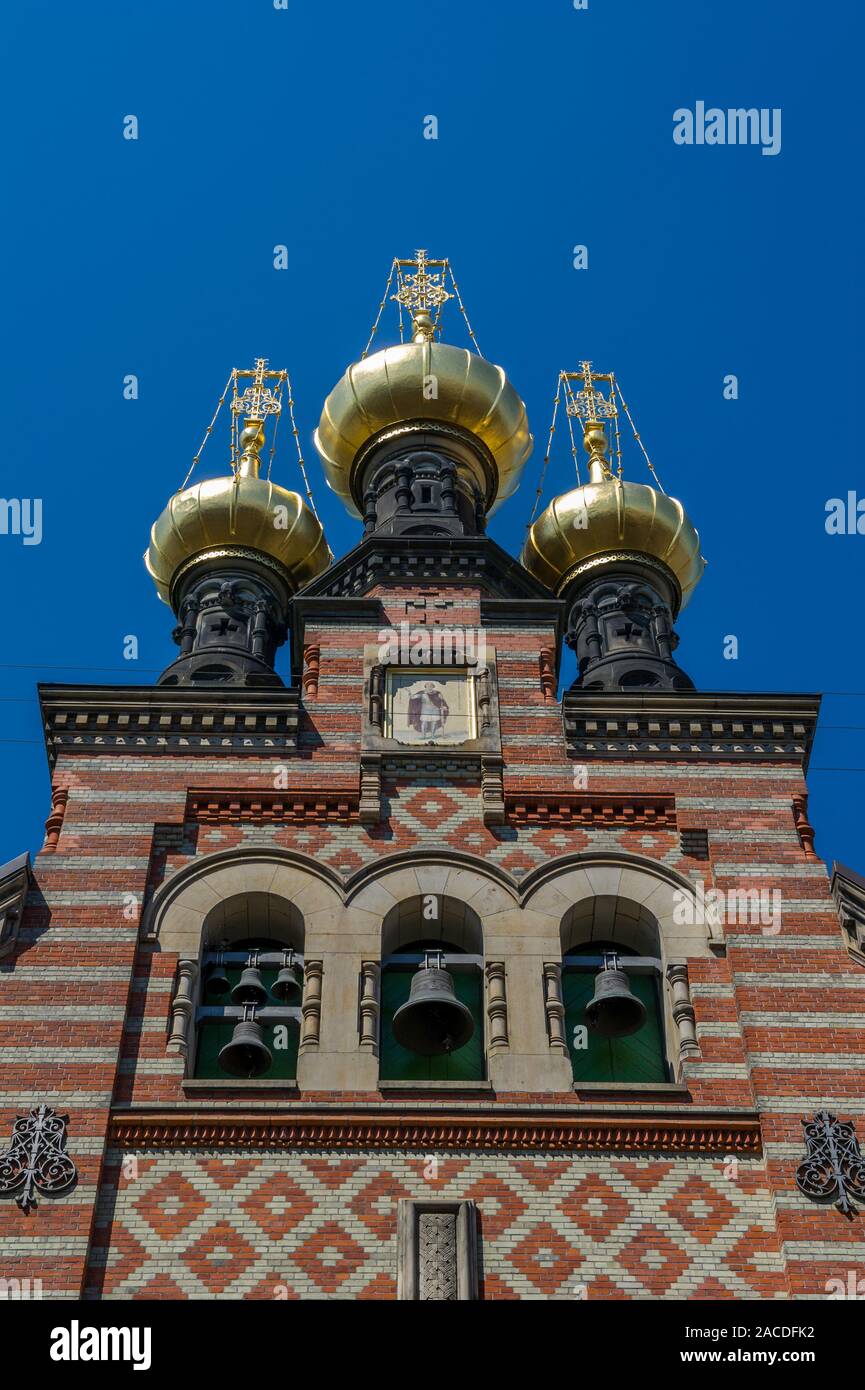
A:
(256, 403)
(593, 407)
(421, 292)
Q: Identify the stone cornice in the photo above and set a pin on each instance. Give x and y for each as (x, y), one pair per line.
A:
(691, 725)
(167, 719)
(579, 808)
(643, 1130)
(476, 560)
(211, 807)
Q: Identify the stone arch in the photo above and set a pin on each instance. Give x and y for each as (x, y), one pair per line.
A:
(478, 893)
(615, 919)
(291, 889)
(687, 927)
(455, 923)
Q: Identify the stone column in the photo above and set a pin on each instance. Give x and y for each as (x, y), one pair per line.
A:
(311, 1005)
(497, 1005)
(183, 1007)
(683, 1011)
(555, 1009)
(370, 1007)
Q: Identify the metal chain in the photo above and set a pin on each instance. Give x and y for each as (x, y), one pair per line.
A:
(449, 268)
(209, 431)
(309, 496)
(543, 473)
(639, 440)
(381, 309)
(575, 453)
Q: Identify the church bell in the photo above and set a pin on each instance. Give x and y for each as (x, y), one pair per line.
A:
(613, 1011)
(250, 987)
(287, 986)
(216, 980)
(432, 1021)
(247, 1054)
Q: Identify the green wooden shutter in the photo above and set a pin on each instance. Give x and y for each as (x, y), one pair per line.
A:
(399, 1064)
(637, 1058)
(214, 1034)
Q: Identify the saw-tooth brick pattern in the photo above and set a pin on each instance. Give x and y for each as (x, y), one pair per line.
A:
(85, 1010)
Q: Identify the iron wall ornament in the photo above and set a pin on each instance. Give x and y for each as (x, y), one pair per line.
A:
(37, 1158)
(834, 1166)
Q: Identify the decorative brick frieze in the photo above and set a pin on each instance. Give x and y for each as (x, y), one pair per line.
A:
(129, 719)
(607, 808)
(634, 1132)
(690, 725)
(271, 807)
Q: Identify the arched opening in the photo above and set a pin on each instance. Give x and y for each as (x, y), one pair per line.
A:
(601, 933)
(437, 931)
(251, 976)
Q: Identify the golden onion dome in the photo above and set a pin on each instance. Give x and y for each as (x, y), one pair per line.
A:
(240, 513)
(393, 387)
(608, 517)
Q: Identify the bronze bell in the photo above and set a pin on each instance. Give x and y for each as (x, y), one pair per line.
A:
(432, 1021)
(216, 980)
(250, 987)
(613, 1011)
(247, 1054)
(287, 986)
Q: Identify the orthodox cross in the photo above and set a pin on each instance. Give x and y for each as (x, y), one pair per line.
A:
(421, 292)
(589, 403)
(257, 401)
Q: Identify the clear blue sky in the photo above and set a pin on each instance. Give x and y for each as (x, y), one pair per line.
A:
(304, 126)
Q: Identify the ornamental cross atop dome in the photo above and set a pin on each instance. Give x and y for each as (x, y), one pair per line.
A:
(257, 401)
(591, 404)
(422, 291)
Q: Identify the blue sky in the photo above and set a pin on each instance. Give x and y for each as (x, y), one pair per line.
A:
(304, 127)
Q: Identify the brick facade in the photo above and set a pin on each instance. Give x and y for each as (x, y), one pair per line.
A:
(780, 1014)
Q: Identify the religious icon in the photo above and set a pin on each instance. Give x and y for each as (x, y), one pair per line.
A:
(433, 709)
(428, 710)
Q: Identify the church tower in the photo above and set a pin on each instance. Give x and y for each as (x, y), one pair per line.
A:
(407, 977)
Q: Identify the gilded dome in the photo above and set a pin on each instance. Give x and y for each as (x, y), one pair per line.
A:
(243, 513)
(607, 517)
(392, 387)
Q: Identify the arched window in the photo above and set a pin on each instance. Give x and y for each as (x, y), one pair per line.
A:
(432, 1027)
(606, 933)
(251, 985)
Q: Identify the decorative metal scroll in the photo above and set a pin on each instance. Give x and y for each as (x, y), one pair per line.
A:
(37, 1159)
(834, 1166)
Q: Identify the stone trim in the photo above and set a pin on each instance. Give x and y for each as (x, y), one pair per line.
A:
(169, 719)
(606, 808)
(432, 1268)
(648, 1132)
(691, 725)
(296, 806)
